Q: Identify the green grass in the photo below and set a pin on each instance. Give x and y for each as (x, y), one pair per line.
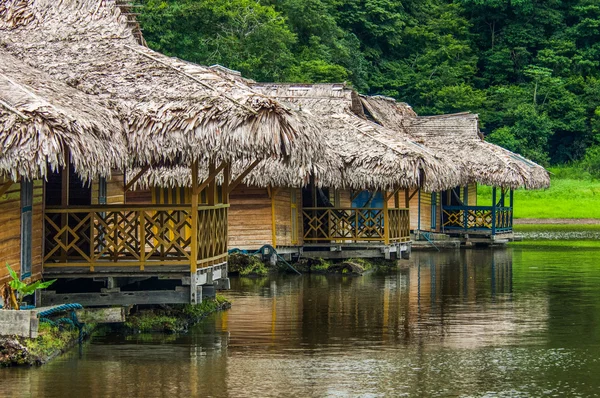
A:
(556, 227)
(572, 194)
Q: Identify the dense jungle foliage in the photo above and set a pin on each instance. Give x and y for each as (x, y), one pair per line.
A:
(530, 68)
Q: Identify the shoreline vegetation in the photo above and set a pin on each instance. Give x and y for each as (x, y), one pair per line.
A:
(170, 319)
(51, 342)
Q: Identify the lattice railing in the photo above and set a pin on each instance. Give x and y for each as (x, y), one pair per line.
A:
(480, 218)
(399, 228)
(212, 235)
(137, 236)
(333, 224)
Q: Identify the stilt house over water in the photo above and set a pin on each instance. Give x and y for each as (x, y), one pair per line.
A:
(457, 211)
(352, 202)
(45, 126)
(173, 114)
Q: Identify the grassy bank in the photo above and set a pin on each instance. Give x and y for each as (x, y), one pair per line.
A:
(51, 341)
(572, 194)
(173, 318)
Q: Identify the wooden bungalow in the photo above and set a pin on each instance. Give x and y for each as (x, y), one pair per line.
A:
(352, 202)
(174, 114)
(458, 211)
(45, 126)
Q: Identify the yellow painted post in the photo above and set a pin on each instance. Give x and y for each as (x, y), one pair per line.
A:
(142, 226)
(386, 220)
(194, 247)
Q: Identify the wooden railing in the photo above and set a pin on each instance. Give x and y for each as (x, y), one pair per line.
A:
(334, 224)
(494, 219)
(138, 236)
(399, 228)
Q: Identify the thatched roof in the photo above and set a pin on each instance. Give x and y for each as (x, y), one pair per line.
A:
(373, 156)
(174, 111)
(40, 118)
(361, 154)
(457, 138)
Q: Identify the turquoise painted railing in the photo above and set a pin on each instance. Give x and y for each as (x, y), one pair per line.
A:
(496, 219)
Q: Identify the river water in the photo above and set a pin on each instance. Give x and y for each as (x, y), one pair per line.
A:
(515, 322)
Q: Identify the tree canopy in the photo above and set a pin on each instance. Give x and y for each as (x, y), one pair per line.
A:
(530, 68)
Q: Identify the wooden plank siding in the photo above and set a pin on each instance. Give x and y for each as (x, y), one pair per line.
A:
(10, 233)
(114, 189)
(283, 217)
(249, 219)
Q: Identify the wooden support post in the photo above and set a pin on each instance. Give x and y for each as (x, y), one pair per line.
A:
(406, 198)
(195, 226)
(64, 203)
(386, 221)
(466, 195)
(493, 211)
(511, 207)
(142, 229)
(226, 181)
(397, 199)
(419, 211)
(211, 188)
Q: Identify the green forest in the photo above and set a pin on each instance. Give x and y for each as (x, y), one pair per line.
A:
(529, 68)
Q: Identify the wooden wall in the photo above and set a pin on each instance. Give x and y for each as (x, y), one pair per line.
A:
(114, 189)
(283, 217)
(249, 220)
(10, 233)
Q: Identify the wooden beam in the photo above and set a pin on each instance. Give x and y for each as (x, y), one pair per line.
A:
(413, 194)
(5, 187)
(139, 175)
(212, 174)
(387, 197)
(241, 177)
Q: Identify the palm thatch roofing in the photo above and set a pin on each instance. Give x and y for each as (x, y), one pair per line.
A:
(41, 119)
(173, 111)
(457, 137)
(373, 156)
(360, 154)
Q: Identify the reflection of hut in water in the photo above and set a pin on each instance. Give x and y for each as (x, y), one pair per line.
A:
(465, 299)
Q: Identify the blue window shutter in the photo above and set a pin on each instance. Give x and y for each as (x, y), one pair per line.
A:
(26, 226)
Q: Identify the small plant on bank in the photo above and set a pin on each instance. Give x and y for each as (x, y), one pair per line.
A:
(19, 289)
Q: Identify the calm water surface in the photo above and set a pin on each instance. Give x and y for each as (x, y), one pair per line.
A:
(514, 322)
